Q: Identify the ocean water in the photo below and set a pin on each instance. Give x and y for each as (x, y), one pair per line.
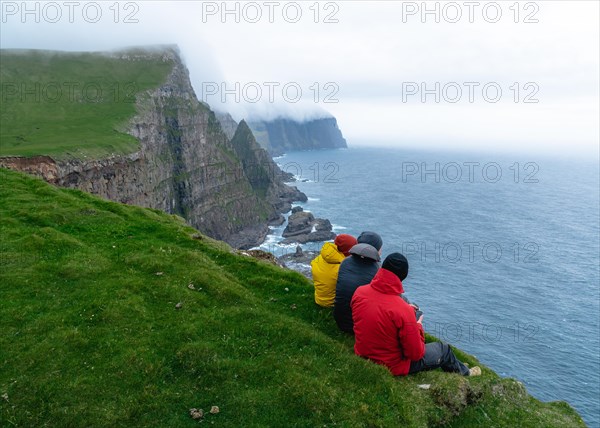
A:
(504, 252)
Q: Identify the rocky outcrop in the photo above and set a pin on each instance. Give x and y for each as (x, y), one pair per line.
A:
(185, 164)
(303, 227)
(262, 255)
(284, 135)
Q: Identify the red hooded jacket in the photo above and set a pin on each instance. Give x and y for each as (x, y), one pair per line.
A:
(385, 328)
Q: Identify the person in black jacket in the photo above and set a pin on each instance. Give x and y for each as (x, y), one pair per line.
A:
(356, 270)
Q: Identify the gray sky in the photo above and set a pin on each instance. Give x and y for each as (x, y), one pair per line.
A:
(370, 66)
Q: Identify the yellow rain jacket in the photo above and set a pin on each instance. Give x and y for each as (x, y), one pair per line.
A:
(325, 269)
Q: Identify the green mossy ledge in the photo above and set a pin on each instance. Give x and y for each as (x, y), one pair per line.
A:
(91, 335)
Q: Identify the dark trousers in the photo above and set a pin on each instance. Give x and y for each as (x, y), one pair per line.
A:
(439, 354)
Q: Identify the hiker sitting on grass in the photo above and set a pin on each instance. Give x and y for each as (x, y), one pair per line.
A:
(357, 270)
(326, 265)
(386, 329)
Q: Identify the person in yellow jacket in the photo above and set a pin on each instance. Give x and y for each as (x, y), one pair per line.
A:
(326, 265)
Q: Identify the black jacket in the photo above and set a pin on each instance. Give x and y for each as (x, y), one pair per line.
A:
(356, 270)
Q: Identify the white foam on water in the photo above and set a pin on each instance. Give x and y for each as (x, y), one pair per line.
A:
(271, 239)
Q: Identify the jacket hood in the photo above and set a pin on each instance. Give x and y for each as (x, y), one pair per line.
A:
(387, 282)
(371, 238)
(365, 251)
(331, 254)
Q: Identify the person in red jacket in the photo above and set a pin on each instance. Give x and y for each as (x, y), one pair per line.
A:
(387, 332)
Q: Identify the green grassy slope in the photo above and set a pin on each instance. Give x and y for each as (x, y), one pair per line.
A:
(90, 335)
(71, 104)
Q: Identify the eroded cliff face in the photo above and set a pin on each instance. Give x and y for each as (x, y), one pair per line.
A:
(265, 177)
(191, 166)
(185, 165)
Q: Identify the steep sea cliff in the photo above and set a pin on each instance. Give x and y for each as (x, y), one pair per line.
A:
(283, 135)
(185, 163)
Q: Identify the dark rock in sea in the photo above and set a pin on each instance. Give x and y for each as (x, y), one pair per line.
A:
(299, 252)
(287, 177)
(292, 194)
(297, 209)
(323, 225)
(287, 196)
(303, 227)
(310, 237)
(299, 223)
